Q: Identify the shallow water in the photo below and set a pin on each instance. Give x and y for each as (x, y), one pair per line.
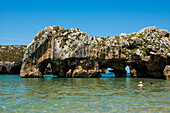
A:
(83, 95)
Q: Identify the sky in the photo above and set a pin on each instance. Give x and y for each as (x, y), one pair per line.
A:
(21, 20)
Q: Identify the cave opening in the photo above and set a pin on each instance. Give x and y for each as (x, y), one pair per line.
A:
(46, 68)
(48, 72)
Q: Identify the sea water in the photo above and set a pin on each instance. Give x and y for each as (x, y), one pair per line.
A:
(83, 95)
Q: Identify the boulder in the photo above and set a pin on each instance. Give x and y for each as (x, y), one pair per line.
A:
(80, 72)
(34, 74)
(133, 72)
(138, 52)
(167, 72)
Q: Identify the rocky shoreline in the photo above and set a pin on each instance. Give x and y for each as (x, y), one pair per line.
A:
(73, 53)
(11, 58)
(10, 67)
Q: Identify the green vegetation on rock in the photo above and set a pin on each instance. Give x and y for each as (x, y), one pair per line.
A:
(132, 51)
(12, 53)
(39, 35)
(51, 34)
(102, 43)
(147, 37)
(84, 33)
(102, 54)
(56, 28)
(63, 41)
(141, 36)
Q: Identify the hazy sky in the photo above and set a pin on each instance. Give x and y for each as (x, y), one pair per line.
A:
(21, 20)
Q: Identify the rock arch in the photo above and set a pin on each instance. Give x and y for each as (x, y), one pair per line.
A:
(73, 53)
(43, 65)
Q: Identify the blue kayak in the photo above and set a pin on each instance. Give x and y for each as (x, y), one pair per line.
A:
(108, 75)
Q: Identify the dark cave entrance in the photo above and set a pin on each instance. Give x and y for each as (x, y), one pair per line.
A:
(46, 67)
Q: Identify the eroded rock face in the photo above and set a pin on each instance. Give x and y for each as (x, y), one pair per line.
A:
(68, 50)
(10, 67)
(11, 58)
(167, 72)
(84, 73)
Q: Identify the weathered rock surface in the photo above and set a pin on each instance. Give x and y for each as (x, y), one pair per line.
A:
(73, 53)
(10, 67)
(167, 72)
(11, 58)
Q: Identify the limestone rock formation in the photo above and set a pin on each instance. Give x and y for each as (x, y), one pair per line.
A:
(167, 72)
(84, 73)
(147, 52)
(11, 58)
(10, 67)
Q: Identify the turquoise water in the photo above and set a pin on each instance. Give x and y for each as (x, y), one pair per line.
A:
(111, 75)
(82, 95)
(108, 75)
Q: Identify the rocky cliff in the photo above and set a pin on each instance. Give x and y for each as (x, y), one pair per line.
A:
(72, 53)
(11, 58)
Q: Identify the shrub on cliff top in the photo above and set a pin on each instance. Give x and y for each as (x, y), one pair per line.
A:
(39, 35)
(105, 38)
(102, 43)
(84, 33)
(141, 36)
(56, 28)
(117, 37)
(51, 34)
